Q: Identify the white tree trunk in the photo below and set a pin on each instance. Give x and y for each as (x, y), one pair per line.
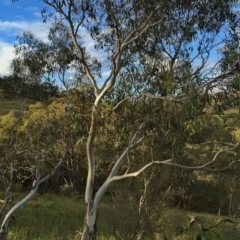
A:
(36, 184)
(9, 216)
(90, 227)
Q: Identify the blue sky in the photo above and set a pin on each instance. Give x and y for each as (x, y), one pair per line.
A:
(16, 17)
(25, 15)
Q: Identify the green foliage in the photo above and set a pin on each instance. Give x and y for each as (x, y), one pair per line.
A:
(14, 86)
(43, 61)
(67, 190)
(45, 130)
(157, 53)
(7, 123)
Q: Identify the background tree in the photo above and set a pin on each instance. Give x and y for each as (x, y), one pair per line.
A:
(157, 55)
(33, 152)
(40, 62)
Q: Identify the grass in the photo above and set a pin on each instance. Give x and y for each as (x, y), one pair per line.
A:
(58, 217)
(175, 219)
(13, 102)
(52, 217)
(48, 217)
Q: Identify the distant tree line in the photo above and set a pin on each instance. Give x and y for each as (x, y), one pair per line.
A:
(38, 91)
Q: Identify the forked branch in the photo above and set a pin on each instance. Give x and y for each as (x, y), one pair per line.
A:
(170, 162)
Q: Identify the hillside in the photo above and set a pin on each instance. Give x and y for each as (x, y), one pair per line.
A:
(12, 101)
(17, 96)
(198, 192)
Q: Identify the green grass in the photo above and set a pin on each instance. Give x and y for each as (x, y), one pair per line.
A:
(52, 217)
(175, 219)
(13, 102)
(58, 217)
(48, 217)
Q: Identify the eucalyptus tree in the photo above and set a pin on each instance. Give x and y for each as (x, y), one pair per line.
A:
(42, 62)
(33, 150)
(157, 56)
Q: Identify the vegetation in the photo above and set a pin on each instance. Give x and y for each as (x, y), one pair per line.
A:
(161, 115)
(178, 189)
(49, 214)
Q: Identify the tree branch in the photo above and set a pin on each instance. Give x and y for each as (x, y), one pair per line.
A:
(36, 183)
(135, 141)
(170, 162)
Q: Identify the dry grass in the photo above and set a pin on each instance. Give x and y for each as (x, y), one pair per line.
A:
(13, 102)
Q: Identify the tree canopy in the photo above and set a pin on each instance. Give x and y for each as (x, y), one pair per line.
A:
(170, 65)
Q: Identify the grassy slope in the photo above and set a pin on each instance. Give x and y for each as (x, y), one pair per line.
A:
(60, 217)
(47, 217)
(13, 102)
(52, 217)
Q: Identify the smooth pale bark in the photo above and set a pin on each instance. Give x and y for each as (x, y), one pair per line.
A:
(90, 228)
(90, 225)
(36, 184)
(121, 43)
(116, 58)
(10, 214)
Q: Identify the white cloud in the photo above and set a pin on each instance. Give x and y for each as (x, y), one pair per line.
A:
(12, 28)
(34, 10)
(40, 30)
(106, 73)
(6, 56)
(9, 29)
(37, 14)
(89, 44)
(20, 17)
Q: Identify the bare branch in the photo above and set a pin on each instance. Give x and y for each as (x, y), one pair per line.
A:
(145, 26)
(167, 98)
(116, 58)
(222, 221)
(90, 157)
(36, 183)
(170, 162)
(55, 168)
(74, 31)
(135, 141)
